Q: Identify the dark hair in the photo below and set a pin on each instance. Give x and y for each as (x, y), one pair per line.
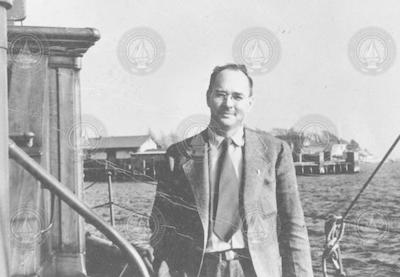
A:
(231, 66)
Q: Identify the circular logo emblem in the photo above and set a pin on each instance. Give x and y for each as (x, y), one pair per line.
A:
(154, 226)
(372, 226)
(26, 227)
(141, 51)
(258, 228)
(190, 126)
(26, 51)
(314, 130)
(87, 134)
(372, 50)
(258, 49)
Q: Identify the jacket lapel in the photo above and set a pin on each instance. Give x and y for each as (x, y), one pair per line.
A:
(196, 171)
(256, 161)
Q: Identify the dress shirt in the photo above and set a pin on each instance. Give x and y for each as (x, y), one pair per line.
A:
(214, 243)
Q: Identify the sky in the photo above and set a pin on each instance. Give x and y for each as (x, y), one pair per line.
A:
(313, 74)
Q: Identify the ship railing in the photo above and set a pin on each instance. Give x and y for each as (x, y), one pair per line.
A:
(51, 183)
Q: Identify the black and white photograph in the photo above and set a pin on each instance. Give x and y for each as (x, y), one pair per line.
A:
(149, 138)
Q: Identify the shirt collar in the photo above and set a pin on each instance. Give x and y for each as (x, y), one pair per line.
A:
(216, 140)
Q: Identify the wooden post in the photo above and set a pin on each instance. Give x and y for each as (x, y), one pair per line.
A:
(56, 120)
(154, 168)
(321, 161)
(4, 181)
(144, 166)
(71, 237)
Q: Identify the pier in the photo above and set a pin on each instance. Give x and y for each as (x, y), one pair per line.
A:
(324, 163)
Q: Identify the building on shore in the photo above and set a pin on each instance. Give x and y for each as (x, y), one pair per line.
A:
(326, 159)
(125, 157)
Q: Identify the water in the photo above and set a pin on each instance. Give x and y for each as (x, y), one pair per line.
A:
(366, 251)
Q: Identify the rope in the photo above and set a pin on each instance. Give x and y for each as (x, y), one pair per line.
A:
(358, 224)
(133, 175)
(91, 185)
(334, 230)
(370, 177)
(334, 226)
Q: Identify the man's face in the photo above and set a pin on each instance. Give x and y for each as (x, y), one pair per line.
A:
(230, 100)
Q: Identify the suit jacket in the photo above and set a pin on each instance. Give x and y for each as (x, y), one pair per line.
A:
(274, 226)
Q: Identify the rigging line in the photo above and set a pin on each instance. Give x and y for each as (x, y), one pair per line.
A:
(370, 177)
(384, 227)
(127, 173)
(91, 185)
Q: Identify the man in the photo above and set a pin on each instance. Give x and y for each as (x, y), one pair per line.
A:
(227, 203)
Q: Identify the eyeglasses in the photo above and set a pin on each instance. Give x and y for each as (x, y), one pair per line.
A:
(236, 96)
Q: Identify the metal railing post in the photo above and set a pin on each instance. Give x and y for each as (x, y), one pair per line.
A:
(4, 167)
(68, 197)
(110, 199)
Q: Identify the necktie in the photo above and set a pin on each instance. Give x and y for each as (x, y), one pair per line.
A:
(227, 215)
